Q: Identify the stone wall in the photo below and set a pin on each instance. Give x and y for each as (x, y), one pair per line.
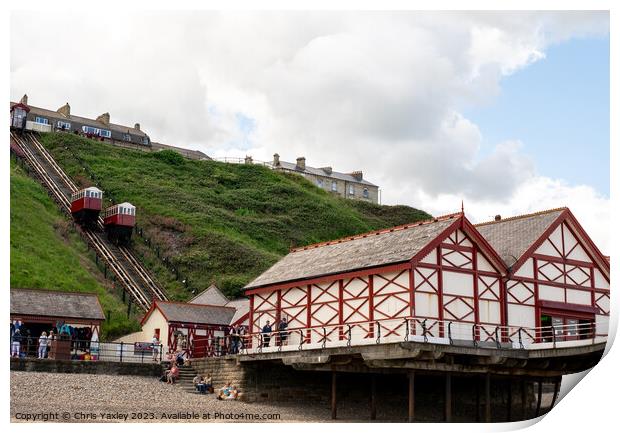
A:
(86, 367)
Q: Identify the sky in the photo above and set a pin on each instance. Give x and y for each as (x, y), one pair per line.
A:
(505, 111)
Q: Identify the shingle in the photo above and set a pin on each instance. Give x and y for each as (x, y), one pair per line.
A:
(375, 249)
(55, 304)
(512, 237)
(196, 313)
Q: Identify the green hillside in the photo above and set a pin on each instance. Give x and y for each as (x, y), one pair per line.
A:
(47, 254)
(211, 221)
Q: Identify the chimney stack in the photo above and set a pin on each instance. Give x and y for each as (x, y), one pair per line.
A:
(301, 163)
(137, 126)
(24, 100)
(498, 217)
(327, 170)
(357, 175)
(104, 118)
(65, 110)
(276, 160)
(248, 159)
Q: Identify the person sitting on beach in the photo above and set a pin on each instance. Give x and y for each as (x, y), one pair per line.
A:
(209, 383)
(200, 384)
(228, 392)
(173, 374)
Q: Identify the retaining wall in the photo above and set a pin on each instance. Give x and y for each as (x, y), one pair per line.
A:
(86, 367)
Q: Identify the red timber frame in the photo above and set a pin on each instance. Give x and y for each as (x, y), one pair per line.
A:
(458, 253)
(363, 295)
(561, 272)
(198, 346)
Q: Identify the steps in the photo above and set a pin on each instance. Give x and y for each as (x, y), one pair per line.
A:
(186, 377)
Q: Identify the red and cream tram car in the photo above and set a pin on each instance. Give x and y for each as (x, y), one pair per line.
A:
(119, 221)
(86, 205)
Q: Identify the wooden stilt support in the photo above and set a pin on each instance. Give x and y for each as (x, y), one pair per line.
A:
(523, 400)
(448, 397)
(539, 399)
(411, 416)
(556, 390)
(477, 401)
(334, 402)
(509, 408)
(487, 398)
(373, 397)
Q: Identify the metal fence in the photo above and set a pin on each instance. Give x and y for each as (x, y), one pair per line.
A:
(87, 350)
(414, 330)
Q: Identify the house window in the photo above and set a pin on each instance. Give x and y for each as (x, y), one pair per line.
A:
(145, 140)
(126, 137)
(41, 120)
(96, 131)
(365, 193)
(65, 126)
(351, 190)
(319, 183)
(334, 186)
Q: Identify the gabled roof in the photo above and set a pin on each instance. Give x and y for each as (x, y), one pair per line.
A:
(242, 309)
(36, 302)
(320, 172)
(210, 296)
(193, 313)
(379, 248)
(512, 237)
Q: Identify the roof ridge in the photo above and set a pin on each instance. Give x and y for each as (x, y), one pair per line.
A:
(55, 291)
(192, 304)
(377, 232)
(512, 218)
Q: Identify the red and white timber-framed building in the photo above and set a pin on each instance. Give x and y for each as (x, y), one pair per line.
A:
(198, 326)
(557, 275)
(438, 280)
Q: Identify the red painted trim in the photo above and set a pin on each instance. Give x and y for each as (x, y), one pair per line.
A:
(435, 243)
(563, 260)
(333, 277)
(251, 313)
(474, 265)
(566, 307)
(440, 289)
(550, 283)
(456, 247)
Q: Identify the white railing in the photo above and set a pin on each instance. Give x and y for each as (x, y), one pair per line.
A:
(423, 331)
(38, 127)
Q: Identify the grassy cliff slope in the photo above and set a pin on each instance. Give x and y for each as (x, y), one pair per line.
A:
(216, 222)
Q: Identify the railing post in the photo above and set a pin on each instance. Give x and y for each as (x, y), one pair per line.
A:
(424, 331)
(450, 332)
(498, 343)
(406, 329)
(520, 339)
(301, 339)
(121, 357)
(473, 335)
(161, 352)
(324, 338)
(378, 332)
(553, 335)
(349, 336)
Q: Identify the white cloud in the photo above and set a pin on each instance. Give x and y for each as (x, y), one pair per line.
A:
(377, 91)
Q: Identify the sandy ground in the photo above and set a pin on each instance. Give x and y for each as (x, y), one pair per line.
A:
(96, 398)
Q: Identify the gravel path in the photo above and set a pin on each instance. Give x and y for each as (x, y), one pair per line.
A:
(88, 396)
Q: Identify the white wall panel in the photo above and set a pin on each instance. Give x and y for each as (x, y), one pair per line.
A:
(550, 293)
(455, 283)
(578, 297)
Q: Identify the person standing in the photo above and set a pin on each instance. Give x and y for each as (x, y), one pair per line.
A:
(155, 343)
(267, 330)
(283, 328)
(42, 345)
(17, 339)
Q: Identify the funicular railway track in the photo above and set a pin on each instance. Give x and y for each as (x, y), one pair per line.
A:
(136, 281)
